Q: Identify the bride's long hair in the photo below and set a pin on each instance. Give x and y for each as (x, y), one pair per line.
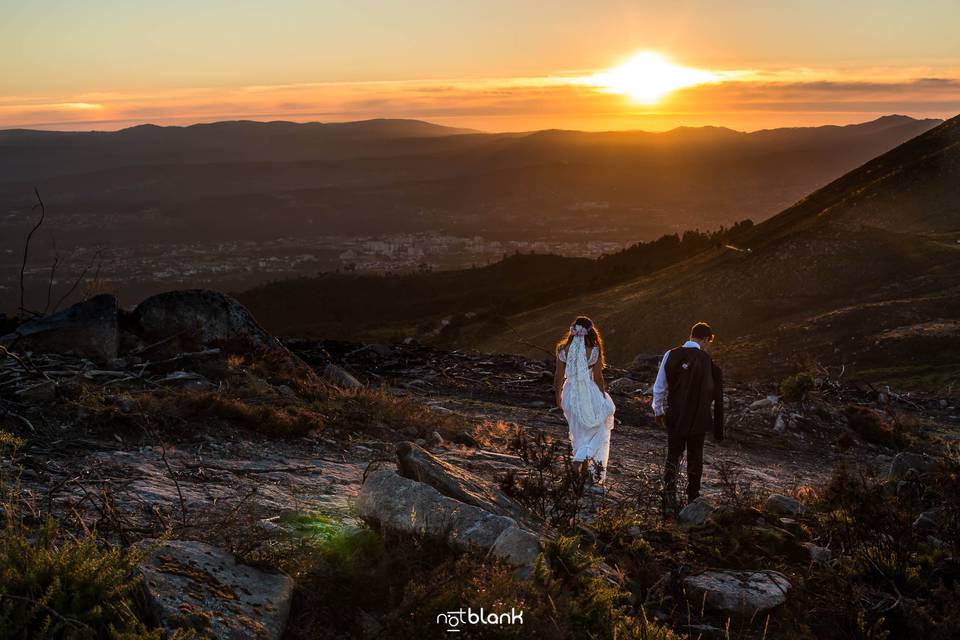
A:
(592, 339)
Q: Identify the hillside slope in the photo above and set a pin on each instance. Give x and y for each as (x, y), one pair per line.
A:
(863, 272)
(387, 307)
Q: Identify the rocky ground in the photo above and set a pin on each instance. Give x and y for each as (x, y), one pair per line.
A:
(316, 471)
(777, 445)
(109, 444)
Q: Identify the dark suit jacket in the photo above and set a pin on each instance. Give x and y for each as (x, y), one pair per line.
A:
(694, 382)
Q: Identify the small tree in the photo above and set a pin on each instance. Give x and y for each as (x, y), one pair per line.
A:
(796, 388)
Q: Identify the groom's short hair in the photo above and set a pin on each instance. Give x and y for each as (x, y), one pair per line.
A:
(701, 331)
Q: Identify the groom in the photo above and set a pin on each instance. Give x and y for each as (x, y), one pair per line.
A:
(689, 382)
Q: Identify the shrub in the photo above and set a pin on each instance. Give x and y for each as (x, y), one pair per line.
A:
(736, 489)
(354, 580)
(946, 496)
(874, 426)
(53, 586)
(10, 442)
(899, 583)
(796, 388)
(551, 486)
(587, 604)
(619, 542)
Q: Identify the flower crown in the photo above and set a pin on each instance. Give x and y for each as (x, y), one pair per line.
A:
(578, 330)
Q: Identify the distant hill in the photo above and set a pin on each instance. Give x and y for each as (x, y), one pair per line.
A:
(864, 272)
(408, 175)
(150, 192)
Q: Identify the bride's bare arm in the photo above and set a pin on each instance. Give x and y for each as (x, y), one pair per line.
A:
(558, 376)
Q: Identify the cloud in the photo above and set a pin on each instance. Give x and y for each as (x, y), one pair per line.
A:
(747, 99)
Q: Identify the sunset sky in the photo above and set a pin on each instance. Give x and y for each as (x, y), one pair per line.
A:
(491, 65)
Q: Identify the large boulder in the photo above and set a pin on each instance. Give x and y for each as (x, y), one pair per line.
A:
(340, 377)
(696, 512)
(740, 594)
(927, 522)
(198, 317)
(781, 505)
(190, 584)
(908, 463)
(194, 319)
(517, 546)
(402, 504)
(416, 463)
(87, 329)
(818, 554)
(624, 385)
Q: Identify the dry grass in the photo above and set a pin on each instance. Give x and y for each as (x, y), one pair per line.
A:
(497, 435)
(878, 428)
(374, 413)
(274, 416)
(270, 396)
(379, 413)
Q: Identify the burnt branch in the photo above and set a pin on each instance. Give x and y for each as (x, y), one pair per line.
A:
(52, 278)
(26, 246)
(95, 261)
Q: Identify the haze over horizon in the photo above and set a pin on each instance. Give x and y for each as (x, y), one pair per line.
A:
(500, 67)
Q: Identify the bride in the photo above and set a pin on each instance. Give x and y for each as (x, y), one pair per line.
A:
(581, 393)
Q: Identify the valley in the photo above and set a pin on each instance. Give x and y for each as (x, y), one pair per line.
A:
(234, 204)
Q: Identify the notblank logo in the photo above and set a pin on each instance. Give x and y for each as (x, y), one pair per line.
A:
(454, 620)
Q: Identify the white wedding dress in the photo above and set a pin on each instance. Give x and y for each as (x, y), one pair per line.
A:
(588, 410)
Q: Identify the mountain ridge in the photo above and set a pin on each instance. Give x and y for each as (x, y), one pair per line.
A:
(894, 119)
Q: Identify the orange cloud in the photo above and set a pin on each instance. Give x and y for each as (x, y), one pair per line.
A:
(746, 99)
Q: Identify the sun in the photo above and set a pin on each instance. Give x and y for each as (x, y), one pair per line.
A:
(648, 76)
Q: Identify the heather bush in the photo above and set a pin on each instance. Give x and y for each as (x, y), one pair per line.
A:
(55, 586)
(796, 388)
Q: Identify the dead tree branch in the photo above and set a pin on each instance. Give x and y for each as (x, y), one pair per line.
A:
(523, 340)
(29, 368)
(26, 246)
(52, 278)
(173, 476)
(96, 260)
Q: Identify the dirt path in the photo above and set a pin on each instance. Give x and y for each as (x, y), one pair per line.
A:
(512, 389)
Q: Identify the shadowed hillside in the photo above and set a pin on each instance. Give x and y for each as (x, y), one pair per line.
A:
(358, 306)
(862, 272)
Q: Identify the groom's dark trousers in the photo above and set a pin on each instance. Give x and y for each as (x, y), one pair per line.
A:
(694, 407)
(677, 444)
